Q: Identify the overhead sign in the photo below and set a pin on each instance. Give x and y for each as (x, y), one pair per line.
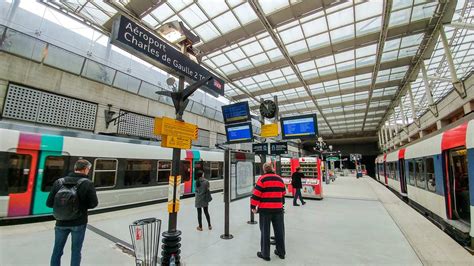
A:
(171, 127)
(133, 38)
(235, 113)
(260, 148)
(278, 148)
(175, 142)
(355, 156)
(298, 127)
(332, 158)
(270, 130)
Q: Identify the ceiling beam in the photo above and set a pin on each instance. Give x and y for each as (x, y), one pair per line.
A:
(329, 115)
(387, 9)
(279, 18)
(365, 40)
(380, 85)
(443, 14)
(334, 76)
(263, 19)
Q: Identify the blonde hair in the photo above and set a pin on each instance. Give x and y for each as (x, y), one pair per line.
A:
(267, 167)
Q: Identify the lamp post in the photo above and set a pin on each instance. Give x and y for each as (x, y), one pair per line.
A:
(176, 33)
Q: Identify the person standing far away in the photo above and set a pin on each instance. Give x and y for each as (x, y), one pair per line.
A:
(267, 200)
(297, 185)
(70, 198)
(203, 197)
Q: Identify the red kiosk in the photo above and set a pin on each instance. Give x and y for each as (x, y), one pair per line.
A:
(311, 168)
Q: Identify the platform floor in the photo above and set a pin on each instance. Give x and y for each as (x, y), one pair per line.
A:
(359, 222)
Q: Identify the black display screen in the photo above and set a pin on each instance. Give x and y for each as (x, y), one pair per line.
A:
(298, 127)
(235, 113)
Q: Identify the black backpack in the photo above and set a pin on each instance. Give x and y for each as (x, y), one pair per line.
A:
(66, 205)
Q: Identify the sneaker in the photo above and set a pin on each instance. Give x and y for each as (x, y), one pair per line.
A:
(279, 255)
(259, 254)
(199, 228)
(296, 204)
(303, 203)
(210, 227)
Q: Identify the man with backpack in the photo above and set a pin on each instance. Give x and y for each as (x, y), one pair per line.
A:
(70, 197)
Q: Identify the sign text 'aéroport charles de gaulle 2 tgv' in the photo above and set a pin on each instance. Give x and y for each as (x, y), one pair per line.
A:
(133, 38)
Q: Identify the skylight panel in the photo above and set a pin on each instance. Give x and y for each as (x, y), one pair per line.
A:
(229, 69)
(260, 78)
(275, 55)
(400, 17)
(274, 74)
(207, 31)
(279, 81)
(327, 70)
(341, 34)
(291, 35)
(297, 47)
(368, 9)
(150, 21)
(267, 43)
(388, 56)
(314, 27)
(178, 4)
(110, 10)
(252, 48)
(233, 3)
(272, 6)
(287, 71)
(423, 11)
(309, 74)
(213, 8)
(245, 14)
(235, 54)
(259, 59)
(366, 50)
(369, 26)
(220, 60)
(94, 14)
(193, 15)
(341, 18)
(344, 56)
(345, 66)
(411, 40)
(243, 64)
(226, 22)
(325, 61)
(306, 65)
(318, 41)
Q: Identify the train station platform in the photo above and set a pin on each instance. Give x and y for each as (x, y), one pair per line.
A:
(359, 222)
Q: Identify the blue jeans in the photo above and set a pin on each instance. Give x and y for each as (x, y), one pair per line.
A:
(61, 234)
(297, 195)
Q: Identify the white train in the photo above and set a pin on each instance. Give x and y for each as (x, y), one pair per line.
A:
(437, 176)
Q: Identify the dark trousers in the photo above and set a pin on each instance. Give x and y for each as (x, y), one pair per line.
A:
(297, 195)
(277, 221)
(61, 234)
(206, 212)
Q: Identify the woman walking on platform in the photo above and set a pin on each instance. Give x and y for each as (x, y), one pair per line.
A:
(203, 197)
(297, 186)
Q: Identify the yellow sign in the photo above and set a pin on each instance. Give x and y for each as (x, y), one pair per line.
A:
(175, 142)
(270, 130)
(174, 206)
(175, 128)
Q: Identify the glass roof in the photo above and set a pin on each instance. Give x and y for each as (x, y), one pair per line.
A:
(334, 51)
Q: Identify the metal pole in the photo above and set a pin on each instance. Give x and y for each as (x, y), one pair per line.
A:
(412, 102)
(429, 94)
(402, 111)
(447, 53)
(227, 170)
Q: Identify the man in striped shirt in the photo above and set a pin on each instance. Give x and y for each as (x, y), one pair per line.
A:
(267, 200)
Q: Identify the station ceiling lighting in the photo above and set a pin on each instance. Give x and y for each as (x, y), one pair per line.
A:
(175, 32)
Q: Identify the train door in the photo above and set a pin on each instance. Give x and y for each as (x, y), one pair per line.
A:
(21, 172)
(186, 172)
(458, 185)
(401, 171)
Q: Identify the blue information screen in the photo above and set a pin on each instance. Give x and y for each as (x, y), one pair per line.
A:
(299, 127)
(238, 112)
(239, 133)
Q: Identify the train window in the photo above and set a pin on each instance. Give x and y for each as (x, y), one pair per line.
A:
(185, 170)
(164, 171)
(105, 172)
(420, 173)
(430, 176)
(392, 171)
(54, 168)
(411, 173)
(137, 172)
(17, 169)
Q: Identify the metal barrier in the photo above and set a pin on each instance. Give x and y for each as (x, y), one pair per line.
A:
(145, 235)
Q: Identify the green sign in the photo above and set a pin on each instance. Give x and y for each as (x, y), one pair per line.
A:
(332, 158)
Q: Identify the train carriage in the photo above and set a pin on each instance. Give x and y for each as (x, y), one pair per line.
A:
(123, 173)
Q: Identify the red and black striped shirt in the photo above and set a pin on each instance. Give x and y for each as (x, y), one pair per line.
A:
(268, 194)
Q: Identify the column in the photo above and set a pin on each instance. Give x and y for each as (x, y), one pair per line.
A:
(429, 93)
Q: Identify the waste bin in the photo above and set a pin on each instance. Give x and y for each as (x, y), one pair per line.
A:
(145, 235)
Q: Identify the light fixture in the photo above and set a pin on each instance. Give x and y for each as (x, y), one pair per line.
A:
(175, 32)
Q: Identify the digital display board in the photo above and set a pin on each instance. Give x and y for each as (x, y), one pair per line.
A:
(260, 148)
(298, 127)
(239, 133)
(278, 148)
(235, 113)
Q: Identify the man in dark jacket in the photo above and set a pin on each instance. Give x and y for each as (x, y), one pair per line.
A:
(297, 185)
(66, 191)
(268, 199)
